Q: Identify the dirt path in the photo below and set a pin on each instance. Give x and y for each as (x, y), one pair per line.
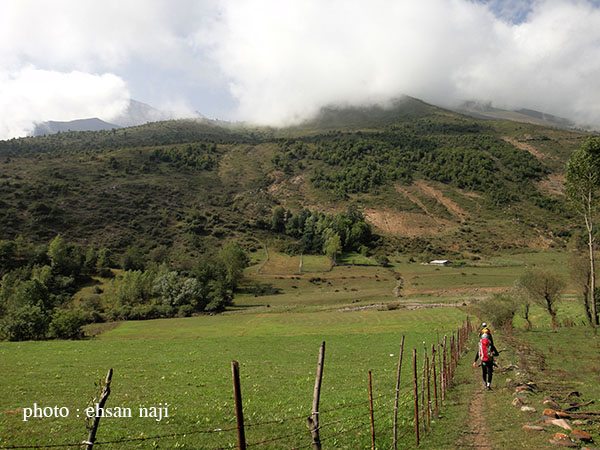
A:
(478, 431)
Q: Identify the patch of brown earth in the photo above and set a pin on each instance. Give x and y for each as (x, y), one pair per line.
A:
(554, 185)
(450, 205)
(469, 194)
(458, 290)
(413, 198)
(403, 223)
(524, 146)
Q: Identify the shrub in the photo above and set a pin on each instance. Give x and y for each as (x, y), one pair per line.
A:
(92, 303)
(67, 323)
(185, 311)
(382, 260)
(498, 310)
(25, 323)
(392, 306)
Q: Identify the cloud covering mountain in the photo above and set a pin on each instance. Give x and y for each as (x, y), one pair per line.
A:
(277, 62)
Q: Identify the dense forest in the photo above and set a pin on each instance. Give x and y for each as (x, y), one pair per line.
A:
(459, 156)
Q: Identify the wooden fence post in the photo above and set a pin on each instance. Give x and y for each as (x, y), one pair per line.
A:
(371, 412)
(423, 404)
(428, 391)
(441, 372)
(313, 421)
(239, 412)
(99, 408)
(435, 389)
(398, 394)
(416, 389)
(444, 369)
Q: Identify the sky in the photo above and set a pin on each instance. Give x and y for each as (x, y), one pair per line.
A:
(278, 62)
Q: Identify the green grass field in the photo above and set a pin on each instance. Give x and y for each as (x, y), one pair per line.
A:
(186, 362)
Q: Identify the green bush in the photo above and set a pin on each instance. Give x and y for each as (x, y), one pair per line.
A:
(382, 260)
(25, 323)
(67, 323)
(498, 310)
(185, 311)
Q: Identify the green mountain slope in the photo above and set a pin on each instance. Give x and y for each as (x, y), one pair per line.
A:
(428, 180)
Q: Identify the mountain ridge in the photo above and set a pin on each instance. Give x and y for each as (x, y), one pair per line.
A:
(428, 179)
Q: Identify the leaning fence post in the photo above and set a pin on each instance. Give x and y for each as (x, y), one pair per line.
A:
(99, 408)
(313, 421)
(398, 394)
(416, 388)
(371, 412)
(239, 413)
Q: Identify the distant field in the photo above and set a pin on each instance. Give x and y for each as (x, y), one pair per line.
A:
(315, 263)
(351, 285)
(280, 263)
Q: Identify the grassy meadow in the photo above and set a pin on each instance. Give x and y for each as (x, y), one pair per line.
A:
(185, 363)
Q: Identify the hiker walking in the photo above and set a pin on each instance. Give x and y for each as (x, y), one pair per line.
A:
(486, 330)
(486, 352)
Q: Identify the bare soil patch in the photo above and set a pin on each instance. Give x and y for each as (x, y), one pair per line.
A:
(449, 204)
(525, 146)
(554, 185)
(403, 223)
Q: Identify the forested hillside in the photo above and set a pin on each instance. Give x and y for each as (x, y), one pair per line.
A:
(426, 179)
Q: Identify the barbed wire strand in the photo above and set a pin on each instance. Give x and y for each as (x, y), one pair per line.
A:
(278, 438)
(284, 420)
(119, 441)
(79, 444)
(218, 430)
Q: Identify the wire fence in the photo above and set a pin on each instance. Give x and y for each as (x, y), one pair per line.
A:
(436, 378)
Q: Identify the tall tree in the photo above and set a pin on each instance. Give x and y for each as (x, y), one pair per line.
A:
(579, 270)
(583, 189)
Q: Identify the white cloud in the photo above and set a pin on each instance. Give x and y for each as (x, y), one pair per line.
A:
(281, 60)
(285, 60)
(31, 95)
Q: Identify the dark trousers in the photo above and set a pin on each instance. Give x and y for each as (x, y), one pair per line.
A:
(487, 369)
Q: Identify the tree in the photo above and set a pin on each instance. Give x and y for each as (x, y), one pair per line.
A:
(133, 259)
(58, 254)
(544, 288)
(333, 247)
(583, 186)
(278, 220)
(103, 263)
(90, 261)
(235, 259)
(579, 270)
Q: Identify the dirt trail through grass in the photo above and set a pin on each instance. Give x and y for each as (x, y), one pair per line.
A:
(479, 433)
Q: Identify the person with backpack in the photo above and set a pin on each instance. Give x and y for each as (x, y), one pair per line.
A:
(486, 330)
(486, 352)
